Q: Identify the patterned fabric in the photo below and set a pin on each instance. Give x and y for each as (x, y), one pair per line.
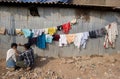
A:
(28, 56)
(110, 37)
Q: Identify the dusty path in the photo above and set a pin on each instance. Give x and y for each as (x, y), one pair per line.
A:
(85, 67)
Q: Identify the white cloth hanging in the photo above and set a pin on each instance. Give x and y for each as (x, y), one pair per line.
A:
(37, 32)
(77, 40)
(62, 40)
(84, 39)
(110, 37)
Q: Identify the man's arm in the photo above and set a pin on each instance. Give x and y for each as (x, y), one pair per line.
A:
(16, 52)
(20, 44)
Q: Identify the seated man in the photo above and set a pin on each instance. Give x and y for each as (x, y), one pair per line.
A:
(11, 57)
(27, 56)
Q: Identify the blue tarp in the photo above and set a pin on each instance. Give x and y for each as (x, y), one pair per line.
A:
(46, 1)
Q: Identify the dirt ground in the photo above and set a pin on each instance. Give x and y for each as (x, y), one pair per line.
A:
(83, 67)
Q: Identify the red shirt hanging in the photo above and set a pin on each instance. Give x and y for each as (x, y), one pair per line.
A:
(66, 27)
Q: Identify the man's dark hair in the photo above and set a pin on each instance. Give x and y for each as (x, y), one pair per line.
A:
(13, 44)
(27, 45)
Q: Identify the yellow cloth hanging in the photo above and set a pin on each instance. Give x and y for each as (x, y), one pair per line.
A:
(52, 30)
(19, 32)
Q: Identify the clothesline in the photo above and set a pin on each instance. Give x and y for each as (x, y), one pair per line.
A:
(78, 39)
(40, 37)
(63, 27)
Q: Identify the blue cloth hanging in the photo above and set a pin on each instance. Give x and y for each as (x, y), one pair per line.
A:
(41, 41)
(26, 32)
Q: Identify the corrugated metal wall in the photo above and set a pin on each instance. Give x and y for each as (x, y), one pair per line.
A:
(87, 20)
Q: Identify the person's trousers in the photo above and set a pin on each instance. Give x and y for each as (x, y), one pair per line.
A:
(21, 64)
(10, 63)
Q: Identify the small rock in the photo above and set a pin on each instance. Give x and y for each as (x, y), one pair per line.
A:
(63, 61)
(35, 75)
(78, 78)
(7, 73)
(3, 77)
(100, 63)
(70, 61)
(77, 58)
(23, 78)
(40, 78)
(43, 59)
(93, 65)
(113, 64)
(112, 60)
(3, 74)
(86, 58)
(106, 74)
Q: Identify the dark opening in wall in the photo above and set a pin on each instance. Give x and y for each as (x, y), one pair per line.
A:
(34, 11)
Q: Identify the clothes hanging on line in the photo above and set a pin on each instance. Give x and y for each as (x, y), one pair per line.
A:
(111, 35)
(84, 39)
(18, 32)
(37, 32)
(26, 32)
(42, 36)
(49, 38)
(11, 32)
(59, 28)
(63, 40)
(70, 38)
(92, 34)
(66, 27)
(41, 41)
(52, 30)
(56, 37)
(77, 40)
(32, 40)
(103, 31)
(100, 32)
